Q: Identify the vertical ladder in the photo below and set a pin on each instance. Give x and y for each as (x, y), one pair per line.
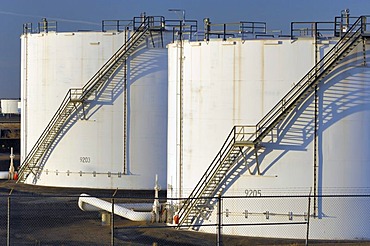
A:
(209, 184)
(74, 100)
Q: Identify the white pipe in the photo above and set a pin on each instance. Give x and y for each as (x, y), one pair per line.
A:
(137, 206)
(156, 205)
(131, 206)
(4, 175)
(89, 203)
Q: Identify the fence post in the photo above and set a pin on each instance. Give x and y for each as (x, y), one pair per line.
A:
(112, 220)
(8, 220)
(219, 221)
(308, 217)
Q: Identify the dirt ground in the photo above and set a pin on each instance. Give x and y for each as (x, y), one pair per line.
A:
(50, 216)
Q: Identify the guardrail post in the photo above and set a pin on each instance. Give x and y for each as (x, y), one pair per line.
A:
(8, 220)
(112, 220)
(207, 28)
(180, 33)
(308, 218)
(363, 24)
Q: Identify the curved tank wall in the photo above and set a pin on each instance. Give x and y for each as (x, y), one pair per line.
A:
(234, 82)
(10, 106)
(91, 152)
(225, 83)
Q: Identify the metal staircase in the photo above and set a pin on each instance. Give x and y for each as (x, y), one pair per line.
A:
(210, 184)
(75, 99)
(239, 143)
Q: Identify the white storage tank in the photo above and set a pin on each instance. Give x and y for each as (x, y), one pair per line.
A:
(216, 84)
(100, 149)
(226, 83)
(10, 106)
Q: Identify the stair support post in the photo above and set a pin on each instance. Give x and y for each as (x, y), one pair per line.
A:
(245, 160)
(364, 50)
(315, 136)
(256, 156)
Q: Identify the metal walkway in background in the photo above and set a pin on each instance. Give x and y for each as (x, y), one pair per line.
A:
(75, 100)
(240, 144)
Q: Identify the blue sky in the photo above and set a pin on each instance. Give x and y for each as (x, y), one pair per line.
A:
(73, 15)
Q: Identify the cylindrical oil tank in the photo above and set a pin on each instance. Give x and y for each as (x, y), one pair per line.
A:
(9, 106)
(119, 138)
(217, 84)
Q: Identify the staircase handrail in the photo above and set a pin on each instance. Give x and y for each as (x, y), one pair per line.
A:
(263, 126)
(115, 57)
(190, 201)
(47, 129)
(233, 136)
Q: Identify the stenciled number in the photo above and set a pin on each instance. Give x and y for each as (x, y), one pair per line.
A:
(251, 192)
(85, 159)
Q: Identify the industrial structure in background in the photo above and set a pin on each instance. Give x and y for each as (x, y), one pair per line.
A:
(228, 110)
(10, 122)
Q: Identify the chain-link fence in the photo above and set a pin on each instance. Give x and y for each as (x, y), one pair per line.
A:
(35, 219)
(285, 220)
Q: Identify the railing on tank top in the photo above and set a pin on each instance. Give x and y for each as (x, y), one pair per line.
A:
(323, 29)
(242, 29)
